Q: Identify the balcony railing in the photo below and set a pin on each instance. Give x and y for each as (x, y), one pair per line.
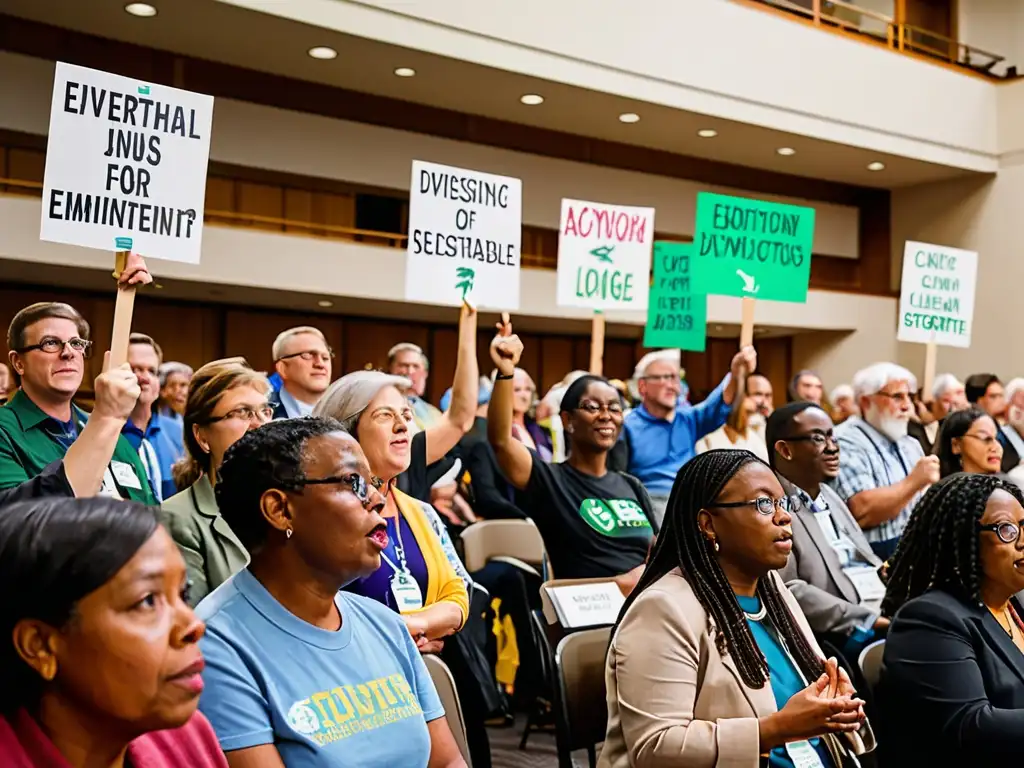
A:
(887, 30)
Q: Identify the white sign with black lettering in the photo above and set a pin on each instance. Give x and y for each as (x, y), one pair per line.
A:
(587, 605)
(465, 229)
(126, 165)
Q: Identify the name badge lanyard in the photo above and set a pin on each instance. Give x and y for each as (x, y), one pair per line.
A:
(403, 586)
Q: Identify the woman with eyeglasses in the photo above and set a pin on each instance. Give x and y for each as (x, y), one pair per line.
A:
(226, 399)
(711, 662)
(952, 679)
(969, 442)
(299, 673)
(594, 522)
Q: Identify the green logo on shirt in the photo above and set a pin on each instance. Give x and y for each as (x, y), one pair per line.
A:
(614, 517)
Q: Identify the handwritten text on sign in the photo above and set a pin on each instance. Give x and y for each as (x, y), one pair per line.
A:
(752, 248)
(604, 255)
(125, 165)
(676, 315)
(937, 294)
(465, 229)
(587, 605)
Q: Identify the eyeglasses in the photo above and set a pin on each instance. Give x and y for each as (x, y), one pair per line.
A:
(661, 378)
(309, 355)
(819, 439)
(246, 413)
(356, 483)
(765, 505)
(1008, 533)
(589, 406)
(897, 397)
(51, 345)
(986, 440)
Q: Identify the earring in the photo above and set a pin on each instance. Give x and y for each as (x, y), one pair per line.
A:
(714, 543)
(288, 533)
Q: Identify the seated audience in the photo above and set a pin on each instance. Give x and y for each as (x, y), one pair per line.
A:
(832, 571)
(947, 395)
(969, 442)
(49, 345)
(416, 577)
(408, 361)
(158, 442)
(711, 662)
(226, 399)
(844, 404)
(594, 521)
(99, 664)
(883, 470)
(744, 429)
(302, 360)
(806, 385)
(952, 679)
(300, 673)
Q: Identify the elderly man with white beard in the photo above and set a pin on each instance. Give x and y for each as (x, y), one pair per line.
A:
(883, 471)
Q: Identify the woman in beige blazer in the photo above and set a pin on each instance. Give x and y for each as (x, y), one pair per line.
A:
(226, 398)
(711, 662)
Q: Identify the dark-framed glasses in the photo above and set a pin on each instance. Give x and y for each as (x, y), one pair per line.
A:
(51, 345)
(986, 440)
(1008, 533)
(246, 413)
(589, 406)
(310, 354)
(817, 438)
(765, 505)
(355, 482)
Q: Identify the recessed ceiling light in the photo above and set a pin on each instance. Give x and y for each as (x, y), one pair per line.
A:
(145, 10)
(323, 52)
(786, 151)
(629, 117)
(707, 133)
(531, 99)
(405, 72)
(325, 303)
(876, 166)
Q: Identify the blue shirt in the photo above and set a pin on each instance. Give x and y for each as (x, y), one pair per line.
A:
(377, 586)
(785, 679)
(658, 448)
(360, 697)
(168, 447)
(296, 409)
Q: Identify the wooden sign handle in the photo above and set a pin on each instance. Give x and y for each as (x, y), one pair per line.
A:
(124, 306)
(597, 344)
(929, 372)
(747, 329)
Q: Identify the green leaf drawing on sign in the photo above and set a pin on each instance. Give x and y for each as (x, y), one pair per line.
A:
(749, 283)
(465, 276)
(604, 253)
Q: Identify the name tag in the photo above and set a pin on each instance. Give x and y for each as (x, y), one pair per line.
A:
(109, 488)
(406, 592)
(587, 605)
(804, 755)
(125, 475)
(865, 580)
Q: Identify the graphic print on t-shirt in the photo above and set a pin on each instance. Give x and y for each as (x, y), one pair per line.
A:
(335, 714)
(614, 517)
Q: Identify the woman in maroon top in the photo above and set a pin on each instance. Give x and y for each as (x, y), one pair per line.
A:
(99, 662)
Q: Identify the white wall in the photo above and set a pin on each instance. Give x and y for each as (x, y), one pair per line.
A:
(708, 56)
(311, 145)
(995, 26)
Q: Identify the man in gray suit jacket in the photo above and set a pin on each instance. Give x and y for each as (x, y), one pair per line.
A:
(832, 571)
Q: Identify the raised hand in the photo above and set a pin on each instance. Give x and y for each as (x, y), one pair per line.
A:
(506, 347)
(117, 390)
(135, 272)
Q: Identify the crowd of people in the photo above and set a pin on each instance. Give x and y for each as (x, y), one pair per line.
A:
(233, 567)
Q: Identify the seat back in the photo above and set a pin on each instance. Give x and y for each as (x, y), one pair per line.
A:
(547, 601)
(870, 662)
(444, 683)
(582, 708)
(517, 540)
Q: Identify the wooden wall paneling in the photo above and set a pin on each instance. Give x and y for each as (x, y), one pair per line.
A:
(442, 351)
(556, 359)
(774, 360)
(580, 355)
(220, 194)
(25, 164)
(619, 358)
(298, 206)
(337, 210)
(367, 341)
(250, 334)
(262, 200)
(531, 361)
(99, 311)
(181, 330)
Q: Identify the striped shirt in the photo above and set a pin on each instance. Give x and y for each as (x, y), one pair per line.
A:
(869, 460)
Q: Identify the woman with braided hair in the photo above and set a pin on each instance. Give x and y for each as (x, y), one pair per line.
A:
(953, 669)
(711, 662)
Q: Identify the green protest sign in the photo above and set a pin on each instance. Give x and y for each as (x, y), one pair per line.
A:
(676, 314)
(752, 248)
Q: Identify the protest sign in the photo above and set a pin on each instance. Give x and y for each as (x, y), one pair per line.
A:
(676, 315)
(937, 294)
(125, 165)
(752, 248)
(465, 229)
(604, 255)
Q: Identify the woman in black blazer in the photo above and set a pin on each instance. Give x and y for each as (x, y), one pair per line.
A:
(952, 679)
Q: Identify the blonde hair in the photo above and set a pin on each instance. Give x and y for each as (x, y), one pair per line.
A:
(282, 338)
(347, 398)
(205, 390)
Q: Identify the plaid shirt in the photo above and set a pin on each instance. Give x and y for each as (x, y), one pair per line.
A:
(869, 460)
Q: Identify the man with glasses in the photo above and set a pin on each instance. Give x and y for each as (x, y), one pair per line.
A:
(303, 360)
(407, 359)
(884, 470)
(660, 435)
(49, 344)
(832, 570)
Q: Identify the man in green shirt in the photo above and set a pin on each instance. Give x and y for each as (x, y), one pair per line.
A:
(49, 344)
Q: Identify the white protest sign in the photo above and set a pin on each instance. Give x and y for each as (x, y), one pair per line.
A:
(465, 229)
(604, 255)
(125, 165)
(937, 294)
(587, 605)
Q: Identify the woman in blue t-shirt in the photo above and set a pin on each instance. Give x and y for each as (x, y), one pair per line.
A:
(711, 661)
(299, 673)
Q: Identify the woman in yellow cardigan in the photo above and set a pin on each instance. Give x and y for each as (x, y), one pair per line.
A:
(417, 577)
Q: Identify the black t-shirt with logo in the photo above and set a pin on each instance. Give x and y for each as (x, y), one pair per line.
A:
(591, 526)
